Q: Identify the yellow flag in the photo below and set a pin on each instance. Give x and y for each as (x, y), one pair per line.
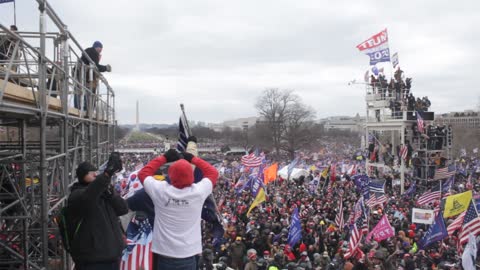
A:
(258, 200)
(456, 204)
(270, 173)
(313, 168)
(325, 172)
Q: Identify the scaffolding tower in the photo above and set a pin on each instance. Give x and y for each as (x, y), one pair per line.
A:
(391, 126)
(43, 136)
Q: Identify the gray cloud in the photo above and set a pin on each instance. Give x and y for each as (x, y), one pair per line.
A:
(217, 56)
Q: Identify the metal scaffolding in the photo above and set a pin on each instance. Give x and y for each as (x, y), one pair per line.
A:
(396, 125)
(43, 137)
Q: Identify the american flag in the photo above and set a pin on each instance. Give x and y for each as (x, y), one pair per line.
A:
(430, 196)
(252, 160)
(182, 134)
(138, 253)
(420, 123)
(339, 218)
(403, 152)
(376, 199)
(355, 237)
(457, 224)
(471, 224)
(443, 173)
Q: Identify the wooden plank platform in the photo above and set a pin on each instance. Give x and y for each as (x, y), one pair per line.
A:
(25, 96)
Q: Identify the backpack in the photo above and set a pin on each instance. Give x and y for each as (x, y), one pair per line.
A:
(68, 227)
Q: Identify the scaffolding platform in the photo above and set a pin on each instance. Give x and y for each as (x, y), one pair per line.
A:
(390, 127)
(43, 136)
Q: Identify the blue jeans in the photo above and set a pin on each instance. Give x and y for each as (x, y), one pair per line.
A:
(164, 263)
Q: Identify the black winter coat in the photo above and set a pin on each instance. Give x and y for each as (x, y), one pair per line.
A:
(99, 237)
(95, 56)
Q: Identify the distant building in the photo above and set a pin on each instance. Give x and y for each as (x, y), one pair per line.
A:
(236, 124)
(353, 124)
(467, 118)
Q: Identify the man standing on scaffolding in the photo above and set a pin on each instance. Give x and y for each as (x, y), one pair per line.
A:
(94, 53)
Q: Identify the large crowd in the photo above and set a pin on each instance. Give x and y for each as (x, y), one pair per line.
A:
(260, 240)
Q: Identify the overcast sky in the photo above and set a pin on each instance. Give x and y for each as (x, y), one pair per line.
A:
(217, 56)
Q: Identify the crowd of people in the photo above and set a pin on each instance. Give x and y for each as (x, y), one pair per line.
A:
(398, 92)
(329, 189)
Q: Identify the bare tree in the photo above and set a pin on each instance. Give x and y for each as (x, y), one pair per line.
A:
(297, 127)
(273, 106)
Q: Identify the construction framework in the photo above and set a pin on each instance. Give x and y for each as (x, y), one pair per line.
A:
(43, 136)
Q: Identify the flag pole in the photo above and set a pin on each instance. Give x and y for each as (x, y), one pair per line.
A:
(217, 212)
(14, 13)
(186, 120)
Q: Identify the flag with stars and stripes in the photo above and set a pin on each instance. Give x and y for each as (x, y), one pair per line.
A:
(456, 224)
(355, 237)
(376, 199)
(138, 254)
(471, 224)
(251, 160)
(443, 173)
(430, 196)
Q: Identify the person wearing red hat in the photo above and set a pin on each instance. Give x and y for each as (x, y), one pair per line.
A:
(177, 237)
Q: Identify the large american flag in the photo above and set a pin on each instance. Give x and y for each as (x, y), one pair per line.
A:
(456, 224)
(443, 173)
(420, 123)
(471, 224)
(253, 160)
(431, 195)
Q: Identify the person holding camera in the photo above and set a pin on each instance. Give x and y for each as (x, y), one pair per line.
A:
(93, 209)
(177, 237)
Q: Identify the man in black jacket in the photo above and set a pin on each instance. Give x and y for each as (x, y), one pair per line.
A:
(94, 208)
(94, 53)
